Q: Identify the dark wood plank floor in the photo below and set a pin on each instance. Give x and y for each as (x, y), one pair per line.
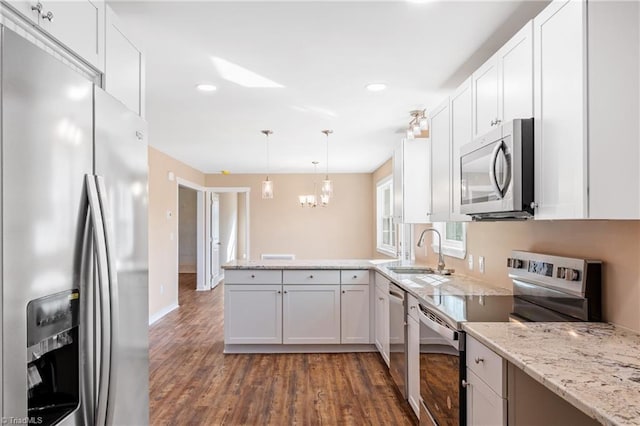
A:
(193, 382)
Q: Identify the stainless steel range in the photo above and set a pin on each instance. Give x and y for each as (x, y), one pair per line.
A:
(545, 288)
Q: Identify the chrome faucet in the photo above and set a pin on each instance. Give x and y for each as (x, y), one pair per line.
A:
(441, 264)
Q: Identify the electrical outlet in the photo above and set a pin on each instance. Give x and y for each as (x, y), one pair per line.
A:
(481, 264)
(171, 236)
(470, 262)
(161, 288)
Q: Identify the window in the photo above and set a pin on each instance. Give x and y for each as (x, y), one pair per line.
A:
(454, 239)
(386, 231)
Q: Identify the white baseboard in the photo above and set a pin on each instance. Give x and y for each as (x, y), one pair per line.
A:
(162, 312)
(296, 349)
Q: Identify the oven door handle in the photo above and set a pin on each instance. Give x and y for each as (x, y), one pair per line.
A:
(451, 336)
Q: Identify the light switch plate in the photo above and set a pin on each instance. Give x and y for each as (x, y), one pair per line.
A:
(481, 264)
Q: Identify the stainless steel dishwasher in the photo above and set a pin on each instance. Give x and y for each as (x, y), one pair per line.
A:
(398, 337)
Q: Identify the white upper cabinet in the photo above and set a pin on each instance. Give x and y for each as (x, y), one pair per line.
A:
(439, 133)
(412, 181)
(586, 110)
(461, 111)
(78, 25)
(124, 65)
(515, 76)
(503, 86)
(485, 97)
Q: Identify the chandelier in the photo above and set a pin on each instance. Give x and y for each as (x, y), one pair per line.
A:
(267, 185)
(418, 125)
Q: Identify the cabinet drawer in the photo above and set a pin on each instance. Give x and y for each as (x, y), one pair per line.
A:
(252, 276)
(487, 365)
(354, 277)
(310, 276)
(412, 307)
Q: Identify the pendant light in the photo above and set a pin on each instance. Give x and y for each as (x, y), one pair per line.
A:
(327, 186)
(267, 185)
(311, 200)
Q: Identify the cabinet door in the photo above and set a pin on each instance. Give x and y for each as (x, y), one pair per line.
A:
(440, 163)
(515, 77)
(461, 134)
(382, 323)
(124, 64)
(484, 406)
(79, 25)
(398, 183)
(413, 361)
(416, 180)
(311, 314)
(485, 97)
(560, 108)
(252, 314)
(354, 304)
(27, 8)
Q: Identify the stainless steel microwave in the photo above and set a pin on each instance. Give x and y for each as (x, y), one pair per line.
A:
(496, 173)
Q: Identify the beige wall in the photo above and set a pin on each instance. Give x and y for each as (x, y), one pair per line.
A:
(187, 248)
(616, 243)
(280, 225)
(163, 250)
(386, 169)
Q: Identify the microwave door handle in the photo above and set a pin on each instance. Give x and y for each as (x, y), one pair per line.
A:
(492, 170)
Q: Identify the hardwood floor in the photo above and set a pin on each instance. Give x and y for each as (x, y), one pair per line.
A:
(193, 382)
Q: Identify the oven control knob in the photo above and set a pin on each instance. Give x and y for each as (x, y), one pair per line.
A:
(514, 263)
(568, 274)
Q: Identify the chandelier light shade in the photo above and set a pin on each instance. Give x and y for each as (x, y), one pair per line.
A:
(267, 184)
(418, 125)
(311, 200)
(327, 185)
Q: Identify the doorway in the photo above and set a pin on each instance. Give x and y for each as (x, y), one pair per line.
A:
(227, 229)
(190, 239)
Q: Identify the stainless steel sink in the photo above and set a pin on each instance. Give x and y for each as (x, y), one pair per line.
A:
(419, 270)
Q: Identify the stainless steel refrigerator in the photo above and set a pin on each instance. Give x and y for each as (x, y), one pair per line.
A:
(74, 262)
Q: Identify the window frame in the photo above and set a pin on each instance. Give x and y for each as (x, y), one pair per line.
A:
(452, 248)
(381, 247)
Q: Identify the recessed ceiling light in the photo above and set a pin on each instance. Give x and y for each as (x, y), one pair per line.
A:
(376, 87)
(206, 87)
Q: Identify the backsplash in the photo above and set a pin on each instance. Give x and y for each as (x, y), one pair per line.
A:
(616, 243)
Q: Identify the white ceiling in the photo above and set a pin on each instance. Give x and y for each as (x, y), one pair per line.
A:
(323, 53)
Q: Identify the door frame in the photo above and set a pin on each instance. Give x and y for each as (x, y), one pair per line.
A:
(207, 284)
(200, 230)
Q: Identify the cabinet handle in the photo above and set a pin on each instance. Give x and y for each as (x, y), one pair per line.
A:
(355, 276)
(279, 292)
(37, 7)
(253, 276)
(412, 307)
(311, 276)
(498, 121)
(48, 16)
(285, 292)
(533, 205)
(478, 360)
(465, 384)
(493, 123)
(344, 291)
(380, 298)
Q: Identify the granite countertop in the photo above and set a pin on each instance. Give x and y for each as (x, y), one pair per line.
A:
(593, 366)
(301, 264)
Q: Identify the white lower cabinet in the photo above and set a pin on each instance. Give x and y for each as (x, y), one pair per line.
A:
(413, 362)
(354, 304)
(311, 314)
(484, 406)
(253, 314)
(382, 321)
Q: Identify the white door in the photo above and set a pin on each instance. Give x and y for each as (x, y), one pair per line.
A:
(354, 304)
(214, 238)
(484, 406)
(440, 161)
(485, 97)
(253, 314)
(311, 314)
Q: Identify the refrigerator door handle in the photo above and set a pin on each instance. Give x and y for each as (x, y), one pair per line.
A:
(100, 248)
(112, 294)
(86, 315)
